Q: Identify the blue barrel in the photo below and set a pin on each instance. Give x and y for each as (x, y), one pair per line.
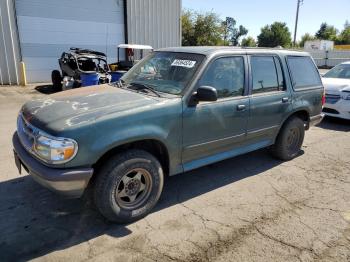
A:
(89, 79)
(116, 75)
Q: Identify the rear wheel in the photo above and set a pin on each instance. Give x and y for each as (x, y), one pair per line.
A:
(128, 186)
(56, 80)
(289, 140)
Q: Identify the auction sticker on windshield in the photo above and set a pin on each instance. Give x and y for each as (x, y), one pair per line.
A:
(184, 63)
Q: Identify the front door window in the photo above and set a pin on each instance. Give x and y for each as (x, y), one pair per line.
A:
(226, 75)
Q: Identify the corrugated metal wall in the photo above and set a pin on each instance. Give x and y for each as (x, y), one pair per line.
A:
(49, 27)
(46, 28)
(9, 49)
(154, 22)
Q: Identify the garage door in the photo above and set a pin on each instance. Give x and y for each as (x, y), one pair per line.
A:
(49, 27)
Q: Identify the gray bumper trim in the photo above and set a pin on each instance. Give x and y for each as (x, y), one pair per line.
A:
(314, 120)
(70, 182)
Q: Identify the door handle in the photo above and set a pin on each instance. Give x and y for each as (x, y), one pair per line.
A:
(285, 99)
(241, 107)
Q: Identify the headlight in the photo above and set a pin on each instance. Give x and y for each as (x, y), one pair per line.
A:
(54, 150)
(346, 95)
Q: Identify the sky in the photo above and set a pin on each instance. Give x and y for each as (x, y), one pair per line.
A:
(254, 14)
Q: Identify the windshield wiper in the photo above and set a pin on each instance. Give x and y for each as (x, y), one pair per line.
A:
(142, 86)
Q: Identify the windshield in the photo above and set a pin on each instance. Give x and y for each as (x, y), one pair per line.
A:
(340, 71)
(166, 72)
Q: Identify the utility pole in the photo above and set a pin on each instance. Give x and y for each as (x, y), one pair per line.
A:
(300, 2)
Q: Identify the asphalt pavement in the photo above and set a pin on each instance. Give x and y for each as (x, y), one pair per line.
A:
(249, 208)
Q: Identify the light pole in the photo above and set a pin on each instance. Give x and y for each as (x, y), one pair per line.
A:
(300, 2)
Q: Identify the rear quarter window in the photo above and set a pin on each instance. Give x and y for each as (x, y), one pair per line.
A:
(303, 72)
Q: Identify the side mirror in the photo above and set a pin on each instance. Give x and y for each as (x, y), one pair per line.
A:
(204, 93)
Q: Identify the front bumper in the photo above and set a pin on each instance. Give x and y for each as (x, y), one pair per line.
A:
(342, 109)
(70, 182)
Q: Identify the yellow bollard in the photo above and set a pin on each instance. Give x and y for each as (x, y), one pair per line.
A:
(23, 80)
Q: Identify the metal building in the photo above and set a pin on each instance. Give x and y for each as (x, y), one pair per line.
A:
(38, 31)
(155, 22)
(9, 46)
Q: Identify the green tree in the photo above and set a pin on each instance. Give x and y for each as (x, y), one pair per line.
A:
(207, 29)
(327, 32)
(306, 37)
(227, 26)
(274, 35)
(248, 42)
(187, 19)
(240, 32)
(200, 29)
(231, 33)
(344, 37)
(347, 24)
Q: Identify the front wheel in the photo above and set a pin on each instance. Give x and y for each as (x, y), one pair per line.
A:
(128, 186)
(289, 140)
(56, 79)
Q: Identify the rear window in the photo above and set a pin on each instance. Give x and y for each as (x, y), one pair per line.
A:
(264, 74)
(304, 72)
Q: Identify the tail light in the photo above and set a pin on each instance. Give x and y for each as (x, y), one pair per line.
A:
(323, 97)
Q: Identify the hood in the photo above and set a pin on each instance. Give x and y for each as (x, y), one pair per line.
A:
(336, 85)
(82, 106)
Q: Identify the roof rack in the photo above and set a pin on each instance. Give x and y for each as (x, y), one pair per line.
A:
(132, 46)
(86, 51)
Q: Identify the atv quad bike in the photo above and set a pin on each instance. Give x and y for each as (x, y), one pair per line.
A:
(77, 62)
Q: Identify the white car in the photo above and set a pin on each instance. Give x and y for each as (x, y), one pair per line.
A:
(337, 87)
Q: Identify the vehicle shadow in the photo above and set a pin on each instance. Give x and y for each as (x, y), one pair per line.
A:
(35, 222)
(45, 89)
(336, 124)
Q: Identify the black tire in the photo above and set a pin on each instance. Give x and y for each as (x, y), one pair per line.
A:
(111, 177)
(76, 84)
(289, 140)
(56, 80)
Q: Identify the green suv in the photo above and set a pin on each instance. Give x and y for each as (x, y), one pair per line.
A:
(176, 110)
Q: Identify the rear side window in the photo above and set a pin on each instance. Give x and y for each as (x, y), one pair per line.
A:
(267, 74)
(304, 72)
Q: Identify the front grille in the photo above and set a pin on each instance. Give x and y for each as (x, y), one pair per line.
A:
(332, 99)
(26, 133)
(330, 110)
